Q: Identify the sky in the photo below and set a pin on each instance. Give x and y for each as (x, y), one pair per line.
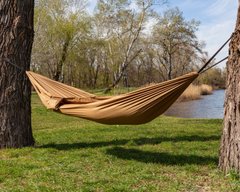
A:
(217, 18)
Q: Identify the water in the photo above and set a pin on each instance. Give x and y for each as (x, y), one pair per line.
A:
(210, 106)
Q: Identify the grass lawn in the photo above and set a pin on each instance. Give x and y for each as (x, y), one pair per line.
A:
(71, 154)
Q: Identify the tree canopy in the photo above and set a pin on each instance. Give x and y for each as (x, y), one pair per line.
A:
(113, 45)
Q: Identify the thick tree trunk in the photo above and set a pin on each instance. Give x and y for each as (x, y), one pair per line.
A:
(16, 38)
(230, 141)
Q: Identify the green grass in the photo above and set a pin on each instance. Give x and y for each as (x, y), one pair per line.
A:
(71, 154)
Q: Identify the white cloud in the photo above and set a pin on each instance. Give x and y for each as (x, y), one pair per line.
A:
(219, 7)
(218, 27)
(217, 19)
(215, 35)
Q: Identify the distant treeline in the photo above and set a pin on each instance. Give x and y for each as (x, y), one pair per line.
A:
(215, 77)
(121, 42)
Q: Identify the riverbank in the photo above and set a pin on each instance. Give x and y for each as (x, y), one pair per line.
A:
(71, 154)
(194, 92)
(209, 106)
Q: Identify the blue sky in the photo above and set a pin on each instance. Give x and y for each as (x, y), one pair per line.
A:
(217, 19)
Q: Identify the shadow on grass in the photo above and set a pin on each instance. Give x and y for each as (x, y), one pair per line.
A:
(160, 158)
(139, 141)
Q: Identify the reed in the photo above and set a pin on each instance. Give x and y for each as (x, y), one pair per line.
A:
(194, 92)
(206, 89)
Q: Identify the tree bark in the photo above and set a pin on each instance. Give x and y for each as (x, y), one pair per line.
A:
(127, 60)
(122, 70)
(230, 142)
(58, 76)
(16, 38)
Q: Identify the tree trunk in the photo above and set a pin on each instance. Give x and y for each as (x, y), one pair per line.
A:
(16, 38)
(230, 142)
(58, 76)
(122, 70)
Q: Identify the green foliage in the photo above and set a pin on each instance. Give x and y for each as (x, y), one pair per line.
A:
(114, 45)
(215, 77)
(178, 46)
(59, 30)
(168, 154)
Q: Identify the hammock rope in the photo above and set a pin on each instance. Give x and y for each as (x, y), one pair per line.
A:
(203, 71)
(215, 54)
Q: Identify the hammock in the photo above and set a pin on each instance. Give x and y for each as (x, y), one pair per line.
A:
(137, 107)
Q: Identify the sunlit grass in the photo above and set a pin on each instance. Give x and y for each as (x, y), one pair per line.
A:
(71, 154)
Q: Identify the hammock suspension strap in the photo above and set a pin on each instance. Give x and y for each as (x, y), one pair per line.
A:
(214, 55)
(214, 65)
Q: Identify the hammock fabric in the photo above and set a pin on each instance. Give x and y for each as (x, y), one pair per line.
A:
(137, 107)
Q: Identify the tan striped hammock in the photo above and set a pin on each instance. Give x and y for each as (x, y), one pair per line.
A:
(137, 107)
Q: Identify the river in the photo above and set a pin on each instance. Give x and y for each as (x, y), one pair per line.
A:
(210, 106)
